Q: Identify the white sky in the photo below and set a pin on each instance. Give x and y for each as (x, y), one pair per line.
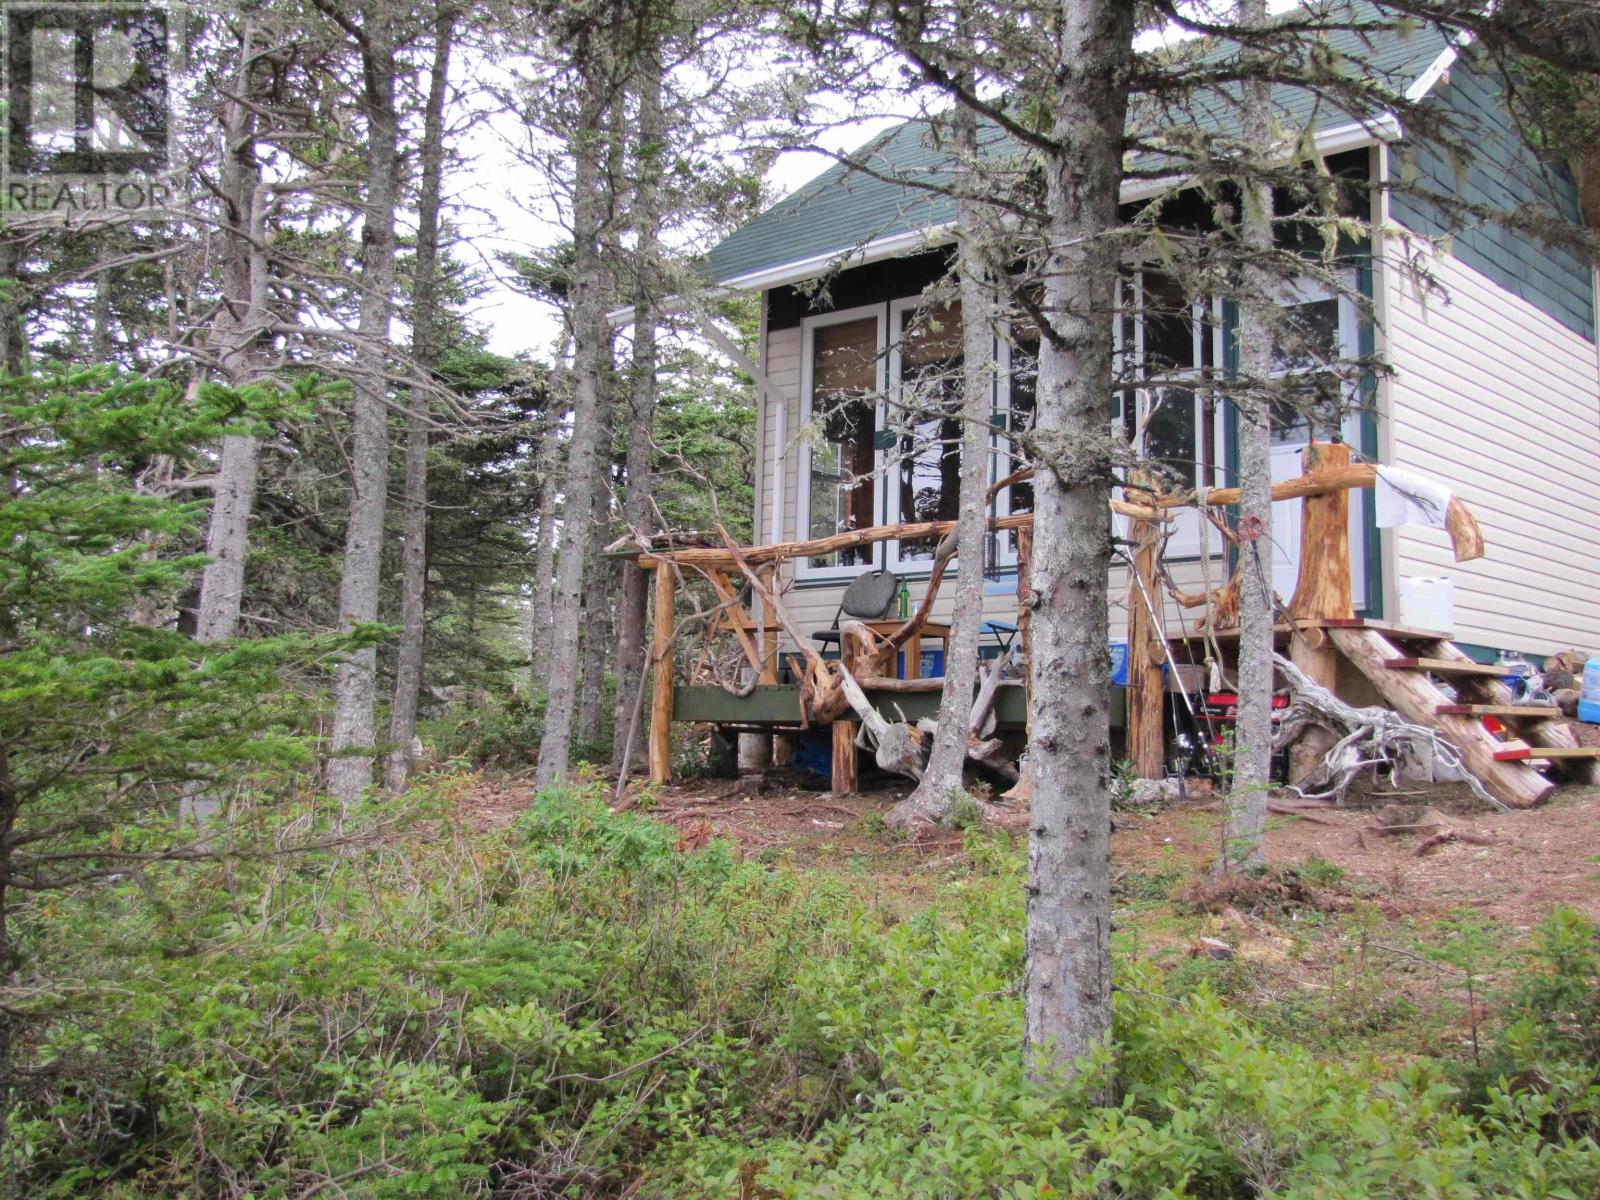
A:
(501, 209)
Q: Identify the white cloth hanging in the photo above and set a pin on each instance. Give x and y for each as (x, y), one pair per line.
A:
(1406, 498)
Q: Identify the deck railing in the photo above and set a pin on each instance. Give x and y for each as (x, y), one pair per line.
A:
(1322, 593)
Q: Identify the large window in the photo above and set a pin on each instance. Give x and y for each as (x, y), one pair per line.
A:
(1165, 346)
(1018, 359)
(841, 374)
(1320, 330)
(882, 396)
(925, 420)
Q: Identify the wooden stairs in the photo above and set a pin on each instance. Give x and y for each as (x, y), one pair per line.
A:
(1404, 665)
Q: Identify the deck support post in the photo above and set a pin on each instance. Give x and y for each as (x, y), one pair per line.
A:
(1146, 740)
(782, 754)
(1314, 653)
(844, 757)
(844, 732)
(661, 682)
(1322, 590)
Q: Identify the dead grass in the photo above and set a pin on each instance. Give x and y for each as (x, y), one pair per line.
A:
(1541, 857)
(1275, 891)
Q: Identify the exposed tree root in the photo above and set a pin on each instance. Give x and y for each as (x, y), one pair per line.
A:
(1368, 739)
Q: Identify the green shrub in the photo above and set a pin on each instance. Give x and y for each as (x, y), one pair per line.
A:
(575, 1007)
(1558, 995)
(501, 733)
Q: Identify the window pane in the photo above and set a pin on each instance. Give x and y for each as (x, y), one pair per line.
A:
(932, 336)
(1024, 393)
(844, 404)
(846, 358)
(1170, 435)
(1169, 340)
(1311, 339)
(929, 448)
(1312, 401)
(1019, 420)
(1312, 396)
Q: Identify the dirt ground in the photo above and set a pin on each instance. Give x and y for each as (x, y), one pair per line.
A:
(1534, 859)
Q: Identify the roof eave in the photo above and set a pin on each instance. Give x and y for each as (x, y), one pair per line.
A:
(1333, 140)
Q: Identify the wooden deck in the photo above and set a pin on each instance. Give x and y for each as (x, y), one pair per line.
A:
(733, 640)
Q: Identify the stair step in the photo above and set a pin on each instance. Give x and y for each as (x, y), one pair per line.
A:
(1448, 666)
(1530, 712)
(1399, 680)
(1523, 753)
(1389, 629)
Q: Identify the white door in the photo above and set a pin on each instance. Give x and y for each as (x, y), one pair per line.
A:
(1328, 327)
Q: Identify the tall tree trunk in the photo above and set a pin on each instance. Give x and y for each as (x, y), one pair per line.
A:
(1246, 818)
(13, 332)
(241, 320)
(548, 469)
(599, 618)
(589, 345)
(1067, 979)
(424, 350)
(634, 603)
(355, 686)
(597, 640)
(10, 958)
(942, 781)
(102, 317)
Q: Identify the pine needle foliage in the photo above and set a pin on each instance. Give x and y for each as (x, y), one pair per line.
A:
(109, 716)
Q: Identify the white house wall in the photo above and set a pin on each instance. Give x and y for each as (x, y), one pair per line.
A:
(1502, 403)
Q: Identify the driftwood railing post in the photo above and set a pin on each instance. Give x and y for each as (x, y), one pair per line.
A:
(1321, 592)
(661, 684)
(782, 743)
(1146, 655)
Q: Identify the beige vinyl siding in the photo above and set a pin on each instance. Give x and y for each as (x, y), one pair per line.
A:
(813, 604)
(1502, 403)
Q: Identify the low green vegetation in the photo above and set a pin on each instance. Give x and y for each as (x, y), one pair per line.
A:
(574, 1007)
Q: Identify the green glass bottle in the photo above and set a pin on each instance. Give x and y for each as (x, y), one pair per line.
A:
(905, 600)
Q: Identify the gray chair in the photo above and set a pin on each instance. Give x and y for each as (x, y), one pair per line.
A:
(870, 597)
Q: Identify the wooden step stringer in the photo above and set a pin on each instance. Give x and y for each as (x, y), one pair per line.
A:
(1539, 732)
(1415, 697)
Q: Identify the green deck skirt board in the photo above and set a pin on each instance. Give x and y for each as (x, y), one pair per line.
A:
(780, 705)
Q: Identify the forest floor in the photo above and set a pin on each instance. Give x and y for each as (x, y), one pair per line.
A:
(1354, 941)
(1538, 858)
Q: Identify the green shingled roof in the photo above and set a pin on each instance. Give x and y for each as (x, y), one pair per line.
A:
(848, 205)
